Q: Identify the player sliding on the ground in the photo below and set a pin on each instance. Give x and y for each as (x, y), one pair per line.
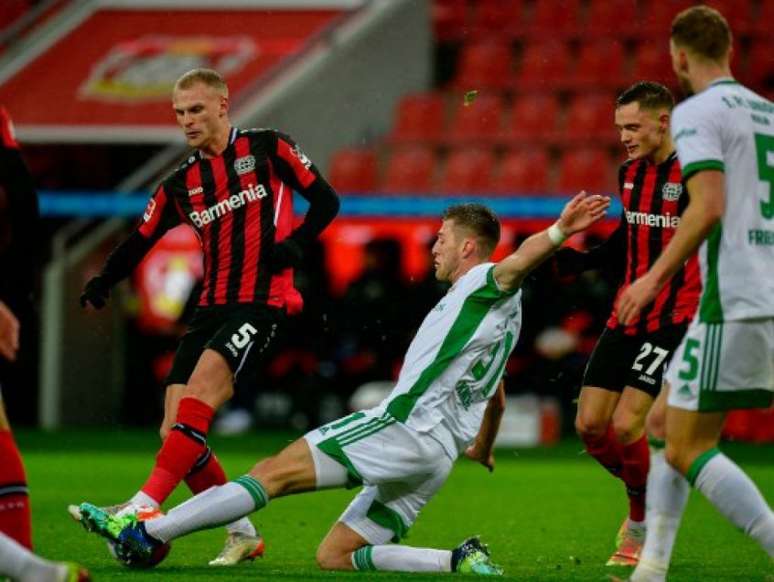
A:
(448, 396)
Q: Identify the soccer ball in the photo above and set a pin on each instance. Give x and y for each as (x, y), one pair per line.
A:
(143, 513)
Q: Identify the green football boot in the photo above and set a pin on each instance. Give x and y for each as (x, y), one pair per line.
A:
(472, 557)
(98, 520)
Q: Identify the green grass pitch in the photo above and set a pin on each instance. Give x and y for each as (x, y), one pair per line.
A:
(547, 514)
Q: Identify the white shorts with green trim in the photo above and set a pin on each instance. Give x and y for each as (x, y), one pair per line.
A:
(400, 469)
(723, 366)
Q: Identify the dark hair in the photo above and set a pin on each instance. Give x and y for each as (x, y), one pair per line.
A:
(478, 219)
(703, 31)
(649, 95)
(208, 77)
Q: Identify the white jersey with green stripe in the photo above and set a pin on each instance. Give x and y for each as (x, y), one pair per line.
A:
(456, 360)
(727, 127)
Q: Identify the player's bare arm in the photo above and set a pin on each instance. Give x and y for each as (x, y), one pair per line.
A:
(578, 214)
(704, 210)
(9, 333)
(482, 449)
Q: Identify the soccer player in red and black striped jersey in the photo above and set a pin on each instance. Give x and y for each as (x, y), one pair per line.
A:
(236, 191)
(624, 374)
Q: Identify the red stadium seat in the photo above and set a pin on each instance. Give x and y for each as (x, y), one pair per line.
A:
(611, 18)
(544, 65)
(522, 172)
(590, 118)
(497, 16)
(588, 169)
(656, 20)
(533, 118)
(419, 117)
(762, 24)
(600, 65)
(653, 63)
(468, 170)
(449, 19)
(759, 69)
(738, 13)
(484, 64)
(353, 170)
(410, 170)
(478, 121)
(554, 17)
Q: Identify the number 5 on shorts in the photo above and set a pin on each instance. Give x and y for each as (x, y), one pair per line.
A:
(689, 358)
(242, 337)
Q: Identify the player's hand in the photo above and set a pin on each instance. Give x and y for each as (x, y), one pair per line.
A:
(9, 333)
(486, 458)
(96, 292)
(635, 297)
(285, 254)
(582, 211)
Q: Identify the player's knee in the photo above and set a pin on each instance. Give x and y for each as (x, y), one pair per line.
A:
(589, 427)
(164, 432)
(627, 428)
(325, 559)
(655, 426)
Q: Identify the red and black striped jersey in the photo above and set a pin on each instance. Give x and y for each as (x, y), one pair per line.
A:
(653, 197)
(240, 204)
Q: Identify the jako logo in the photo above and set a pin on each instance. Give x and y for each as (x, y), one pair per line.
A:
(206, 216)
(661, 220)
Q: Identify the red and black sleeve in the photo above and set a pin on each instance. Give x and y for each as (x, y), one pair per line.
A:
(296, 170)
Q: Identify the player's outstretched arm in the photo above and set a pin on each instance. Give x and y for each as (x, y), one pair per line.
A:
(578, 214)
(705, 208)
(482, 449)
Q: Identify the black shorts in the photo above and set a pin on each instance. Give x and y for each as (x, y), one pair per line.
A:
(639, 361)
(243, 334)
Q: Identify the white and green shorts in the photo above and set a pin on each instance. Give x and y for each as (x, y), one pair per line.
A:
(723, 366)
(400, 469)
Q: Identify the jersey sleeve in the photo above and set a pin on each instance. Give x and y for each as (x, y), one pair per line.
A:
(159, 216)
(293, 165)
(697, 137)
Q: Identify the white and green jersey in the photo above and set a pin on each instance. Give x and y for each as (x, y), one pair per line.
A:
(455, 362)
(727, 127)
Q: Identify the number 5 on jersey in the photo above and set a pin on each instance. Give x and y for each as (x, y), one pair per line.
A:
(243, 336)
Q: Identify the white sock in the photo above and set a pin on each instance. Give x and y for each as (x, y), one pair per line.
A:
(735, 495)
(665, 502)
(401, 559)
(142, 498)
(18, 563)
(214, 507)
(243, 526)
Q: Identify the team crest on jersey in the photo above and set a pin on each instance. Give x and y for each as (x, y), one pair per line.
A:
(671, 191)
(302, 157)
(244, 165)
(148, 214)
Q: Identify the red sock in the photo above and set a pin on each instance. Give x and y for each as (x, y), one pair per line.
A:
(636, 464)
(183, 446)
(14, 499)
(205, 473)
(606, 450)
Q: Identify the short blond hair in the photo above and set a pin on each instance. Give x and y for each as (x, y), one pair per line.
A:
(208, 77)
(703, 31)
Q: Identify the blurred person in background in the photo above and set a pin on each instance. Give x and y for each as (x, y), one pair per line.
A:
(235, 190)
(624, 374)
(19, 227)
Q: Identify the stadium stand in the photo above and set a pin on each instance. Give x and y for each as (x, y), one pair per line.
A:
(410, 169)
(419, 117)
(522, 171)
(467, 171)
(353, 170)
